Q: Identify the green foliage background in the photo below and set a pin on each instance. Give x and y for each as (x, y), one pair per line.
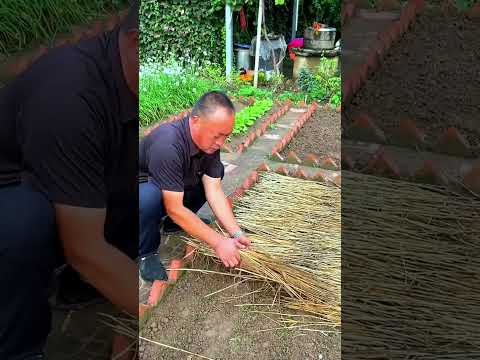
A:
(181, 30)
(193, 30)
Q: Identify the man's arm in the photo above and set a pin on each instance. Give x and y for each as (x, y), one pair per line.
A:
(110, 271)
(221, 208)
(225, 248)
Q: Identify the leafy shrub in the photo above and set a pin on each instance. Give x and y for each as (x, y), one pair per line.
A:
(189, 32)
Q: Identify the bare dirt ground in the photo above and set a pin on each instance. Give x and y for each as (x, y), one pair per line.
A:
(320, 135)
(215, 328)
(429, 76)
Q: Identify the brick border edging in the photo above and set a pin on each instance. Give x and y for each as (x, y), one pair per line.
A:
(429, 172)
(364, 128)
(159, 287)
(254, 134)
(16, 64)
(301, 120)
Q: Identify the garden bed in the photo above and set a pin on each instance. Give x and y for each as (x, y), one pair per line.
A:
(419, 80)
(235, 140)
(211, 327)
(320, 135)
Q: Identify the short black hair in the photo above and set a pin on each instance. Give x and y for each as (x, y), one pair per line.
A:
(210, 101)
(131, 20)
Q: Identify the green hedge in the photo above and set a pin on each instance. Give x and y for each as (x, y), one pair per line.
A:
(186, 31)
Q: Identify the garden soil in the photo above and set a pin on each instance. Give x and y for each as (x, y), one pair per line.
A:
(320, 135)
(429, 76)
(217, 329)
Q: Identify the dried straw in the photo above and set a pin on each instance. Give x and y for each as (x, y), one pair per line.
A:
(410, 260)
(294, 226)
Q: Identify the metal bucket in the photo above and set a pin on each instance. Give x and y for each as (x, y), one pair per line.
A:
(243, 59)
(324, 38)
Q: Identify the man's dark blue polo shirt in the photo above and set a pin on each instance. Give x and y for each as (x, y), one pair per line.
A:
(172, 160)
(69, 128)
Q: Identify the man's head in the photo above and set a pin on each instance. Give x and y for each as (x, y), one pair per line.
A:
(212, 121)
(128, 42)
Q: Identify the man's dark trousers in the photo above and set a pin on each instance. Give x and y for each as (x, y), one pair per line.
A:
(152, 211)
(29, 253)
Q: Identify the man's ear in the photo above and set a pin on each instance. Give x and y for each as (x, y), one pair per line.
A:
(195, 119)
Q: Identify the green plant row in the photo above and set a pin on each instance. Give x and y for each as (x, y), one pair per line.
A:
(162, 95)
(255, 92)
(247, 117)
(24, 22)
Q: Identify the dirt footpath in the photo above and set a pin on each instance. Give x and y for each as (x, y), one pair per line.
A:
(215, 328)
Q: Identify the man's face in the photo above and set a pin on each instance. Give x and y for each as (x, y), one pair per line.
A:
(213, 129)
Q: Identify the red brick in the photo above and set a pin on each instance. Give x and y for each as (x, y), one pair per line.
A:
(258, 132)
(174, 272)
(300, 173)
(364, 129)
(337, 179)
(430, 174)
(319, 176)
(253, 176)
(238, 193)
(384, 166)
(264, 127)
(282, 170)
(311, 160)
(293, 158)
(142, 310)
(453, 143)
(227, 148)
(347, 162)
(240, 148)
(276, 156)
(328, 163)
(156, 292)
(247, 183)
(407, 134)
(263, 167)
(472, 180)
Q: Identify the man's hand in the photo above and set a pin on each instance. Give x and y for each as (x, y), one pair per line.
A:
(242, 242)
(81, 232)
(227, 251)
